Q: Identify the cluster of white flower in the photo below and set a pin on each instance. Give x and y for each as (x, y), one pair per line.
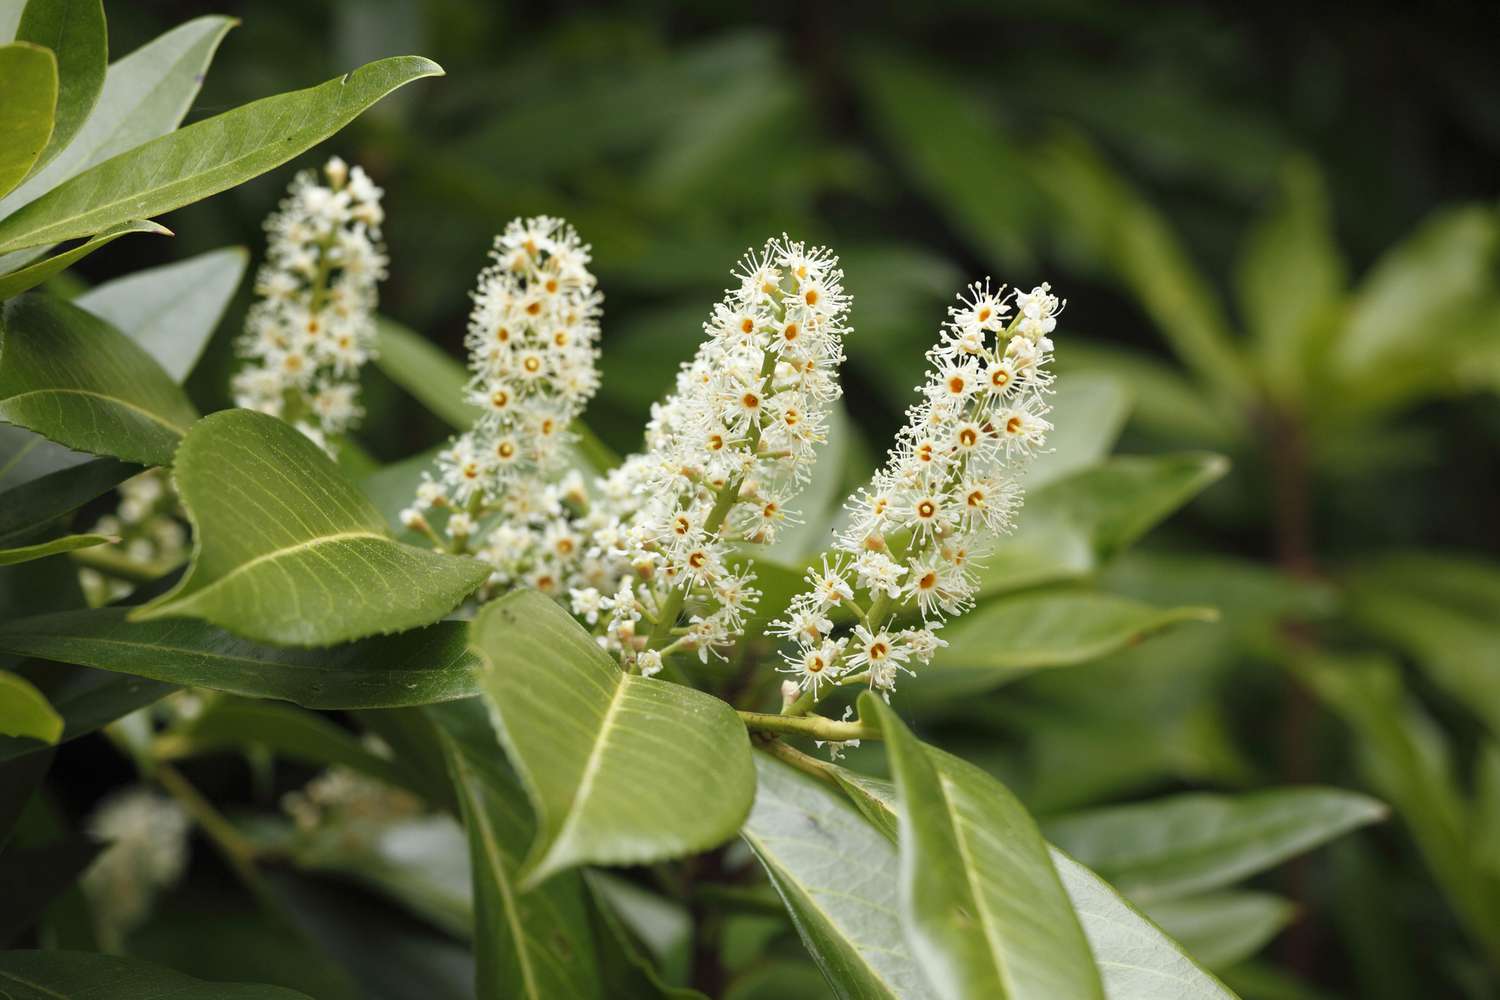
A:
(533, 346)
(147, 838)
(340, 797)
(313, 325)
(724, 455)
(951, 484)
(153, 540)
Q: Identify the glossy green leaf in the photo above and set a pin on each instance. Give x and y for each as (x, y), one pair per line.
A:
(286, 550)
(1194, 842)
(1012, 636)
(71, 377)
(171, 310)
(41, 550)
(621, 769)
(74, 30)
(145, 95)
(28, 78)
(206, 157)
(535, 944)
(426, 371)
(288, 732)
(1072, 526)
(25, 712)
(86, 699)
(78, 975)
(31, 275)
(416, 667)
(984, 911)
(1221, 928)
(838, 876)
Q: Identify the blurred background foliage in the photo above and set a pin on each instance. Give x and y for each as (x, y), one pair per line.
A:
(1276, 226)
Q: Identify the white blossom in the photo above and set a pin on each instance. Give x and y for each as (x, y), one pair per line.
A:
(146, 850)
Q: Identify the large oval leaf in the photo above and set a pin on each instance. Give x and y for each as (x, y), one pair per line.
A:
(81, 975)
(416, 667)
(74, 30)
(28, 277)
(533, 945)
(984, 911)
(28, 78)
(206, 157)
(71, 377)
(838, 876)
(621, 769)
(1194, 842)
(287, 550)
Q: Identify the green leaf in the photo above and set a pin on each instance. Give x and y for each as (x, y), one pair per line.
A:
(86, 699)
(1072, 526)
(1012, 636)
(984, 911)
(1089, 410)
(41, 481)
(28, 78)
(25, 712)
(1222, 928)
(535, 945)
(81, 975)
(1168, 406)
(286, 550)
(34, 875)
(1290, 278)
(621, 769)
(30, 276)
(394, 487)
(74, 30)
(1194, 842)
(42, 550)
(416, 667)
(426, 371)
(171, 310)
(837, 875)
(71, 377)
(145, 95)
(288, 732)
(206, 157)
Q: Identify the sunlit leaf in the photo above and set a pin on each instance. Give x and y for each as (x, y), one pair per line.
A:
(31, 275)
(25, 712)
(29, 77)
(74, 30)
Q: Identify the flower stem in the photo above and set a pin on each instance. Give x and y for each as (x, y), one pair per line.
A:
(815, 726)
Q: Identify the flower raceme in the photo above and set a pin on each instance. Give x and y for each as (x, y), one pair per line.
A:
(313, 325)
(725, 453)
(950, 486)
(533, 346)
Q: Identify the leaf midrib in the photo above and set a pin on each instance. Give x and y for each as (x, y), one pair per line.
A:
(591, 766)
(264, 557)
(105, 397)
(970, 873)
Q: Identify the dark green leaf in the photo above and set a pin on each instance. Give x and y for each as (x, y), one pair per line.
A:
(28, 77)
(86, 699)
(28, 277)
(74, 31)
(78, 975)
(71, 377)
(621, 769)
(426, 371)
(32, 877)
(19, 781)
(286, 550)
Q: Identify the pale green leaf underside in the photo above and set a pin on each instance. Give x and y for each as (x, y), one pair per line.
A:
(838, 876)
(28, 79)
(286, 550)
(31, 275)
(79, 975)
(1223, 927)
(426, 371)
(25, 711)
(206, 157)
(70, 377)
(42, 550)
(75, 32)
(621, 769)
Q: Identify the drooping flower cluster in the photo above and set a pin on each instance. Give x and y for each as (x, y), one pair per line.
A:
(153, 539)
(313, 325)
(146, 835)
(724, 455)
(533, 345)
(950, 486)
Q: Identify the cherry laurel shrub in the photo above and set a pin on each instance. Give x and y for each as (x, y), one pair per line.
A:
(600, 721)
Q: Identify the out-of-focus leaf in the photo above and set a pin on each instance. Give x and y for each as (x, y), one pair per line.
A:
(663, 927)
(41, 550)
(628, 972)
(79, 975)
(577, 728)
(533, 944)
(1072, 526)
(426, 371)
(1195, 842)
(838, 876)
(25, 711)
(1089, 410)
(41, 481)
(86, 699)
(1221, 928)
(206, 157)
(29, 73)
(1290, 277)
(1166, 405)
(394, 487)
(171, 310)
(286, 550)
(416, 667)
(71, 377)
(33, 876)
(28, 277)
(984, 910)
(19, 781)
(75, 33)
